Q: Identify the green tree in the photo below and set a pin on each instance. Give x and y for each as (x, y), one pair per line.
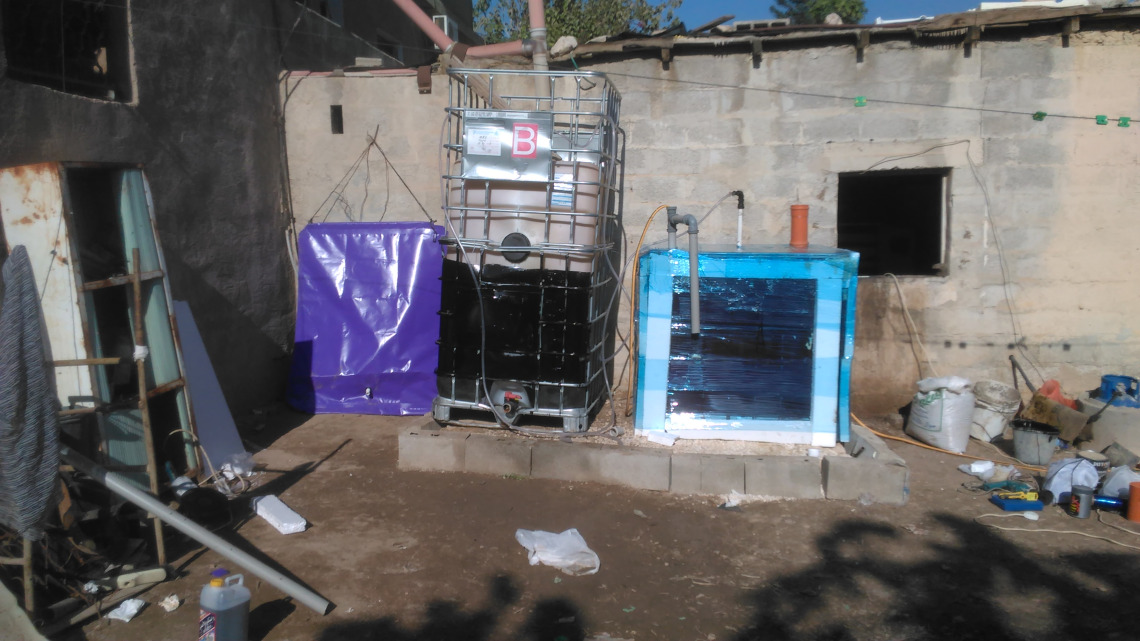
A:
(814, 11)
(506, 20)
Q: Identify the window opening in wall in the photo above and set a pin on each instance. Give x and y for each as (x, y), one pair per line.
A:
(336, 118)
(896, 220)
(81, 47)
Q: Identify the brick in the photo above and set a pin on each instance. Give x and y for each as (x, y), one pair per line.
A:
(498, 456)
(789, 477)
(865, 479)
(434, 451)
(581, 462)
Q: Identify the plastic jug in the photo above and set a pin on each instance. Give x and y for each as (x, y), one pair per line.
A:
(223, 613)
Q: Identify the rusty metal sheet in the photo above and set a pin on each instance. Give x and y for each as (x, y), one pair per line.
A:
(31, 210)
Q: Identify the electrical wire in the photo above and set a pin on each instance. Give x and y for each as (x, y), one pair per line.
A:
(1014, 321)
(915, 337)
(811, 94)
(1025, 529)
(216, 474)
(1100, 517)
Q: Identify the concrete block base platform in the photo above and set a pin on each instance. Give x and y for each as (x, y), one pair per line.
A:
(866, 469)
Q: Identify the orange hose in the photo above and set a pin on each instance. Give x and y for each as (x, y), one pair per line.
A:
(939, 449)
(633, 317)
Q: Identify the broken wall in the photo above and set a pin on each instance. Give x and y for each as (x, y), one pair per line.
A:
(1056, 195)
(203, 122)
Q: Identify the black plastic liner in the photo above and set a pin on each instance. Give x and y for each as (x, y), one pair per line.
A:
(753, 357)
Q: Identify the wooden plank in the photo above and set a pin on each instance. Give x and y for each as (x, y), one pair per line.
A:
(75, 362)
(144, 410)
(116, 281)
(1004, 16)
(167, 387)
(29, 579)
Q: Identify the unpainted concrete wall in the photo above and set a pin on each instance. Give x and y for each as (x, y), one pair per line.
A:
(205, 126)
(1058, 195)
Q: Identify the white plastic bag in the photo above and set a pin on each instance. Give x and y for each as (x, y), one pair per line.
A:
(1065, 473)
(941, 413)
(955, 384)
(1116, 482)
(566, 551)
(126, 610)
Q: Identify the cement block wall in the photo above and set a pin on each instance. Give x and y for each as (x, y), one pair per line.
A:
(204, 124)
(1058, 194)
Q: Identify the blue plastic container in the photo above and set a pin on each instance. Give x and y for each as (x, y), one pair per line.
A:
(1128, 385)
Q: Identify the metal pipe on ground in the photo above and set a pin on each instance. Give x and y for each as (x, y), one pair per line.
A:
(123, 488)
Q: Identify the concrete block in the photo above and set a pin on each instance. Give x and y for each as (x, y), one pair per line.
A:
(498, 456)
(706, 474)
(849, 479)
(685, 474)
(791, 477)
(710, 132)
(432, 450)
(582, 462)
(864, 444)
(695, 104)
(722, 474)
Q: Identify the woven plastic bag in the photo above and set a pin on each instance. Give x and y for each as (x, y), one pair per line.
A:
(941, 413)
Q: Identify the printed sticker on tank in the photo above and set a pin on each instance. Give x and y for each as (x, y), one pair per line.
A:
(483, 142)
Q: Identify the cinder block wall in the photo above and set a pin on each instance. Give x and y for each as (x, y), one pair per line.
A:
(1061, 192)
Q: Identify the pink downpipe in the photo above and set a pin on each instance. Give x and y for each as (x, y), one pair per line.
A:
(425, 23)
(538, 33)
(518, 47)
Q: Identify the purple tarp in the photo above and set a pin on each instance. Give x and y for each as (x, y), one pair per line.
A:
(367, 318)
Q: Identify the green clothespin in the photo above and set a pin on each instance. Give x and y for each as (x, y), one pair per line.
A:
(1039, 116)
(1123, 121)
(1102, 120)
(860, 101)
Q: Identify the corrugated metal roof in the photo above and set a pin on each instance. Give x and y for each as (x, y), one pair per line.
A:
(760, 33)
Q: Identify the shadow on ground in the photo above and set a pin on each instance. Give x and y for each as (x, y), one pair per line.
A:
(980, 586)
(550, 620)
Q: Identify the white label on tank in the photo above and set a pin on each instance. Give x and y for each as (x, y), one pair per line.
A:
(483, 142)
(561, 199)
(563, 182)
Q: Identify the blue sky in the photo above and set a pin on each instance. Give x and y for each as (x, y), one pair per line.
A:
(694, 13)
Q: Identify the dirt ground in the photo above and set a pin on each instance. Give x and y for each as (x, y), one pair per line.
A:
(431, 556)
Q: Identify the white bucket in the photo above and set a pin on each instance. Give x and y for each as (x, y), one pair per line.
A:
(994, 405)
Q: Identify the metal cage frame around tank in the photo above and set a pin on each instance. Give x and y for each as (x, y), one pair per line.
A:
(587, 163)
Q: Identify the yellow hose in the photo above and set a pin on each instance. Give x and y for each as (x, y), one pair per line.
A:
(633, 316)
(1018, 464)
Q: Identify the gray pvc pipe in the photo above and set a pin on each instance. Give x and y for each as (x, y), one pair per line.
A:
(120, 486)
(694, 282)
(689, 221)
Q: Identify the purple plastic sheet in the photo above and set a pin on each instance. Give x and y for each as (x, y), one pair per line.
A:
(367, 318)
